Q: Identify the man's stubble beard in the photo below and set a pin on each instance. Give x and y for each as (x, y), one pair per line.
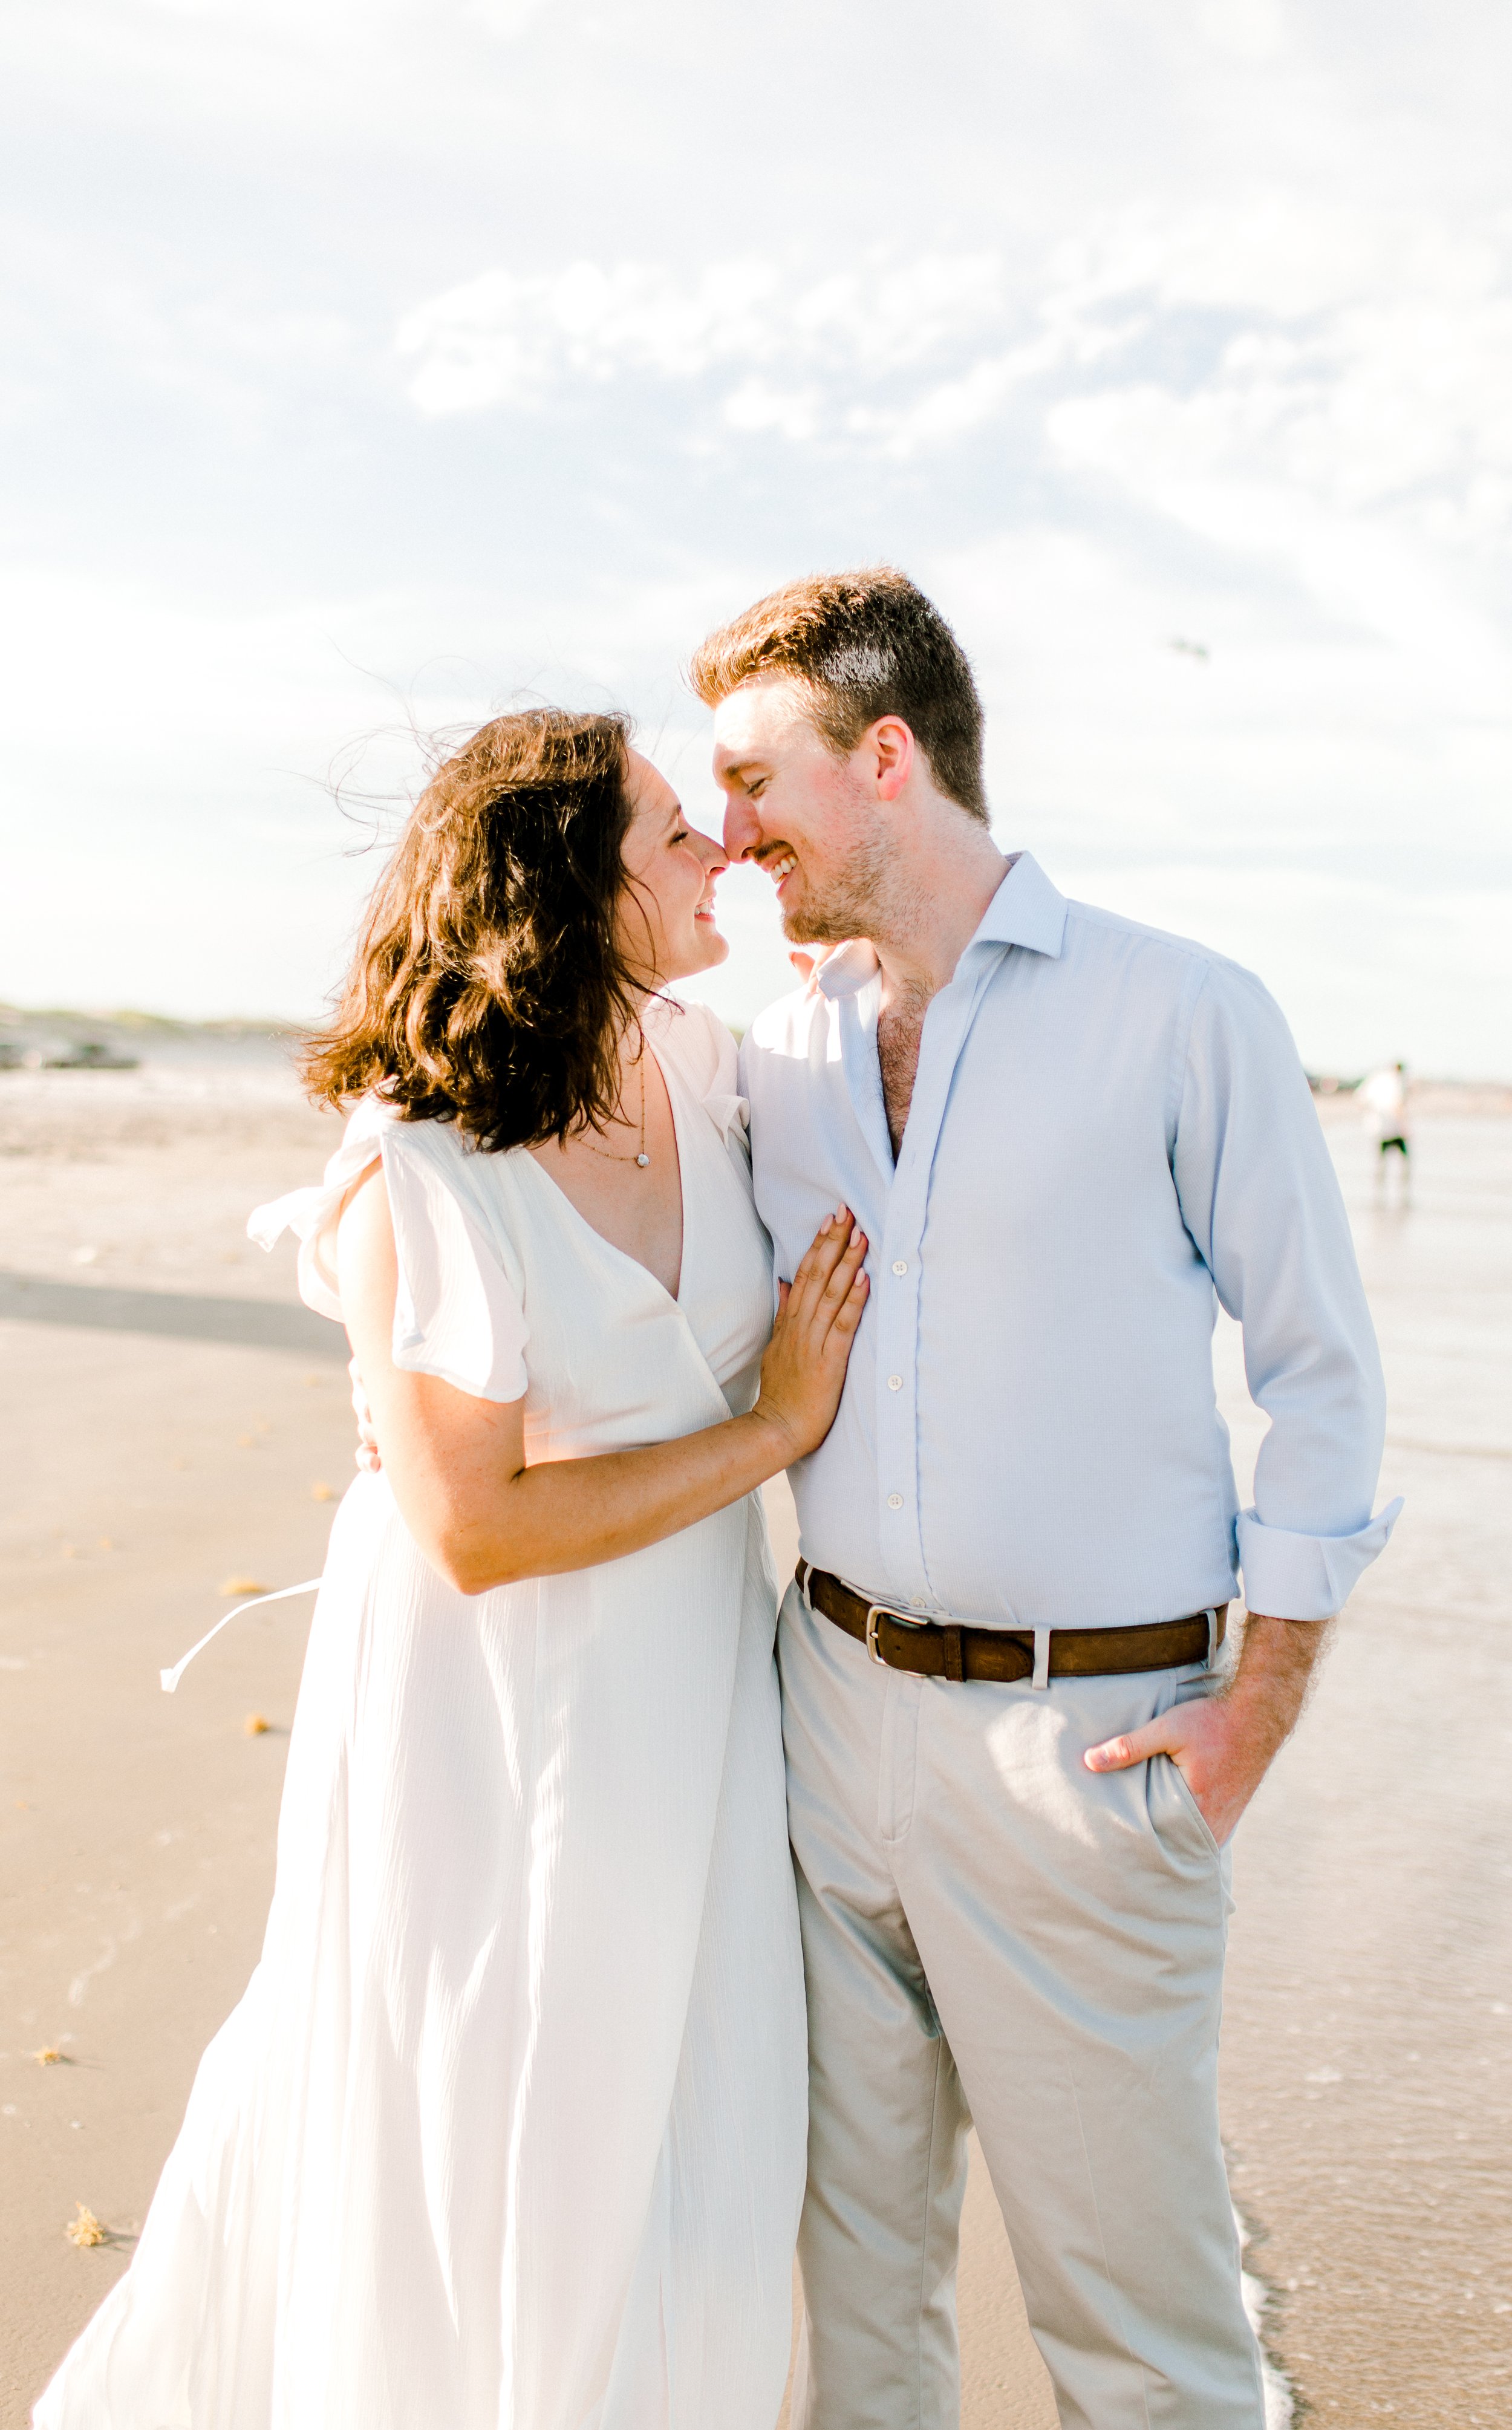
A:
(862, 899)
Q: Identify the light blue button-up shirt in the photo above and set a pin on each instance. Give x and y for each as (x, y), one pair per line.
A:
(1109, 1126)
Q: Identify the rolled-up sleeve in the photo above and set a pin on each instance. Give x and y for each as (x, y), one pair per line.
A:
(1262, 1204)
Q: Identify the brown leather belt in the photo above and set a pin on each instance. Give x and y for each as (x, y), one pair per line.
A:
(946, 1650)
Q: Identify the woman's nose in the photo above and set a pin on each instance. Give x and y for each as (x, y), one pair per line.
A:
(713, 856)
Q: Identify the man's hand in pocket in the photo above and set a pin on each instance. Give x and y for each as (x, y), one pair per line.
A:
(1222, 1746)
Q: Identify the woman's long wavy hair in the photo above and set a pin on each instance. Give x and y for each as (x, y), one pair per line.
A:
(489, 986)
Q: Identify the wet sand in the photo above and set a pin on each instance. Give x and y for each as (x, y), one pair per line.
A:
(1367, 2037)
(141, 1470)
(1369, 2005)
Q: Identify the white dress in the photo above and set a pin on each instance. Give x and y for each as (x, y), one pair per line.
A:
(508, 2132)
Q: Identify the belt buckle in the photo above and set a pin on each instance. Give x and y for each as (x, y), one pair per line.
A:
(879, 1611)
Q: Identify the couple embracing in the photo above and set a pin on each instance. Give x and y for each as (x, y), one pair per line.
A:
(598, 1973)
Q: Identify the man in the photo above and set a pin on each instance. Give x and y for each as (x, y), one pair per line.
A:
(1012, 1769)
(1384, 1105)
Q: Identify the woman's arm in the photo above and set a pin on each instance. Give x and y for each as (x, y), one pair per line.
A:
(457, 1465)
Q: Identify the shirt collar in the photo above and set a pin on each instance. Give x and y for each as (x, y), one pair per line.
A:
(1025, 910)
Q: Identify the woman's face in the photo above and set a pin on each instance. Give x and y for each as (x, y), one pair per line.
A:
(666, 907)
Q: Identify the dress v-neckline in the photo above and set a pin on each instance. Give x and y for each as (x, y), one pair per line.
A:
(625, 1257)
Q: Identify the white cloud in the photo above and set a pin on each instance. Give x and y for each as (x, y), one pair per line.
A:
(1368, 364)
(1344, 361)
(512, 338)
(506, 19)
(757, 406)
(1245, 29)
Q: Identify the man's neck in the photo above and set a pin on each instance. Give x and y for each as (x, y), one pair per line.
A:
(934, 908)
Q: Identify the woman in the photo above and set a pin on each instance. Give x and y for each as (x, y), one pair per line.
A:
(508, 2129)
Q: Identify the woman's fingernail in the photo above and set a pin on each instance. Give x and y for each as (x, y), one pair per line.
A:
(840, 1213)
(856, 1234)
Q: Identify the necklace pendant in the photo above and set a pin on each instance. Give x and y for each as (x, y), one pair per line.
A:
(642, 1158)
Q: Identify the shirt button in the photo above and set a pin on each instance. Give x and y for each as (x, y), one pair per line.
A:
(900, 1265)
(894, 1501)
(894, 1383)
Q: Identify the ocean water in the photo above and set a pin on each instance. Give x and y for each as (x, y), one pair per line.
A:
(1368, 2031)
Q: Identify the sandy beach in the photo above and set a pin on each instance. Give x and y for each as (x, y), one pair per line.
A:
(174, 1422)
(1367, 2088)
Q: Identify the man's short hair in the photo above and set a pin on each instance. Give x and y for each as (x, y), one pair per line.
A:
(864, 645)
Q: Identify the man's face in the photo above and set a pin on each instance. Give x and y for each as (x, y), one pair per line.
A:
(802, 813)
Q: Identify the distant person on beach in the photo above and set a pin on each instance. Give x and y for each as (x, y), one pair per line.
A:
(1013, 1765)
(508, 2132)
(1384, 1102)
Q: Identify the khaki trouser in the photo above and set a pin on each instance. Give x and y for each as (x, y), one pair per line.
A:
(994, 1934)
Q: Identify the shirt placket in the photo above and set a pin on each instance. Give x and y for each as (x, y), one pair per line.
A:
(900, 1276)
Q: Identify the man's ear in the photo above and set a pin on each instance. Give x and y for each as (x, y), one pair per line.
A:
(893, 750)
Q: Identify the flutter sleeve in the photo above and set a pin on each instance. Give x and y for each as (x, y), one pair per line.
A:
(459, 1311)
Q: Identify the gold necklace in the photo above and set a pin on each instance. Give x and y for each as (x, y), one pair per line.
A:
(617, 1156)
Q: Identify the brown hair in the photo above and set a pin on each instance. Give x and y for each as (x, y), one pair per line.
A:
(489, 985)
(864, 645)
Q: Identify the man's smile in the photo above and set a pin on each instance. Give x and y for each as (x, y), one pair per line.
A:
(779, 861)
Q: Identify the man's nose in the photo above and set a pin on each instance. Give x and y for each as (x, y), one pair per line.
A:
(742, 829)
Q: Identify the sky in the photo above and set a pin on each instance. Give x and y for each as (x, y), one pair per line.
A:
(371, 369)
